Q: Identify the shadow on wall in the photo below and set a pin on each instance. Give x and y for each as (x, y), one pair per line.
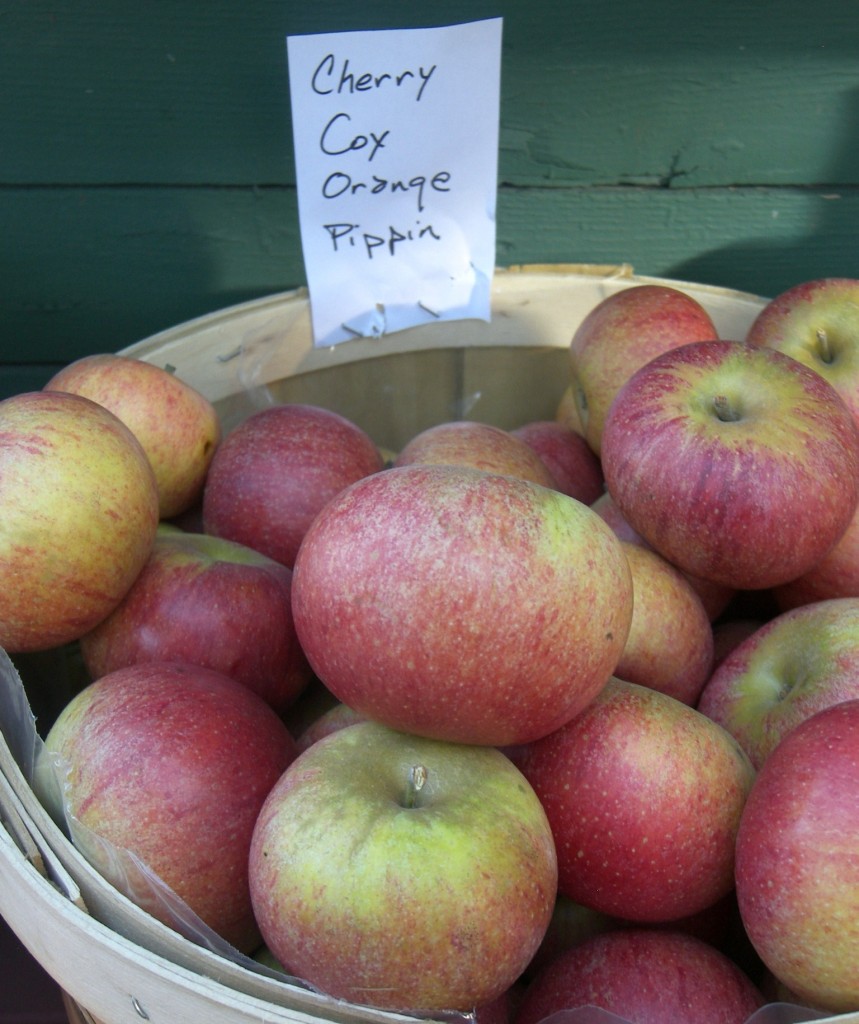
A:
(829, 249)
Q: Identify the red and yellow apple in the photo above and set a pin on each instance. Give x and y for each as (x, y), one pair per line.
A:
(460, 604)
(644, 795)
(737, 464)
(622, 332)
(276, 469)
(646, 976)
(797, 869)
(170, 763)
(835, 575)
(573, 465)
(175, 423)
(478, 445)
(793, 666)
(816, 322)
(79, 514)
(211, 602)
(670, 643)
(403, 872)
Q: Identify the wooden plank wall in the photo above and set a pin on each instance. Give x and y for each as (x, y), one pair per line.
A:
(146, 166)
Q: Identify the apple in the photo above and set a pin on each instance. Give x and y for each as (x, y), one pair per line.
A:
(670, 645)
(797, 871)
(336, 717)
(497, 1011)
(816, 322)
(460, 604)
(644, 796)
(775, 991)
(715, 597)
(649, 976)
(478, 445)
(574, 467)
(211, 602)
(177, 426)
(791, 667)
(171, 763)
(835, 575)
(80, 511)
(276, 469)
(313, 702)
(621, 333)
(729, 633)
(403, 872)
(709, 445)
(570, 924)
(567, 411)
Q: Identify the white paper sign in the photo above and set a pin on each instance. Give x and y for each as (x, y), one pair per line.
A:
(396, 146)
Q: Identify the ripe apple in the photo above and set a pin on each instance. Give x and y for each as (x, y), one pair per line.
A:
(729, 633)
(816, 322)
(649, 976)
(462, 605)
(567, 411)
(644, 796)
(275, 470)
(715, 597)
(710, 444)
(791, 667)
(574, 467)
(670, 643)
(622, 332)
(403, 872)
(478, 445)
(835, 575)
(79, 515)
(570, 924)
(211, 602)
(497, 1011)
(177, 426)
(171, 763)
(332, 719)
(797, 870)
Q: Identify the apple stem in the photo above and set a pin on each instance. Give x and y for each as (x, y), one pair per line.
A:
(823, 345)
(417, 778)
(724, 410)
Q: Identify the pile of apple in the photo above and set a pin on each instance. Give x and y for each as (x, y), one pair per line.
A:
(513, 722)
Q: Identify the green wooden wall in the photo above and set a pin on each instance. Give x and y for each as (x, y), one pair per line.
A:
(146, 166)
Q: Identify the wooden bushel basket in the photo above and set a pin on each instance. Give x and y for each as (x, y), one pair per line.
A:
(116, 964)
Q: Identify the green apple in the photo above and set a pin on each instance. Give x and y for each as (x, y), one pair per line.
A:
(402, 872)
